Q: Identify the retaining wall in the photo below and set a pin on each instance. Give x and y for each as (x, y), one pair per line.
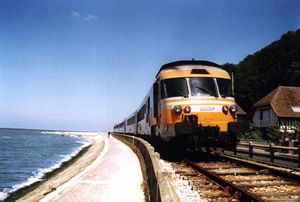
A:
(159, 179)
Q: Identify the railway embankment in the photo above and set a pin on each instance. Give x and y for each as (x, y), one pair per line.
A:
(159, 178)
(244, 180)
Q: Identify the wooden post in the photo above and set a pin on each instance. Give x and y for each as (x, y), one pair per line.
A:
(271, 152)
(235, 150)
(298, 149)
(250, 150)
(132, 140)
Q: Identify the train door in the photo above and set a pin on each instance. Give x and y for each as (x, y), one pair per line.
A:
(156, 110)
(136, 124)
(124, 126)
(148, 117)
(142, 119)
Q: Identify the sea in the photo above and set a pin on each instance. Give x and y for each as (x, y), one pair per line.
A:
(26, 156)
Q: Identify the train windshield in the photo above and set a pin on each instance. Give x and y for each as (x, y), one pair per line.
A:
(202, 86)
(175, 87)
(199, 86)
(225, 87)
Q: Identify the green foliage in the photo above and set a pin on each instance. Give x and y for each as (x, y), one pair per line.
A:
(297, 127)
(260, 73)
(272, 134)
(229, 67)
(252, 134)
(293, 74)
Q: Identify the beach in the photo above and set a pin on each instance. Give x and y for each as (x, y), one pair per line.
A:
(68, 171)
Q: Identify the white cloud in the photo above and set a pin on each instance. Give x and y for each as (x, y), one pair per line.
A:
(75, 14)
(80, 16)
(90, 17)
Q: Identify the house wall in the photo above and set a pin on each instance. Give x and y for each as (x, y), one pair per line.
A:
(288, 124)
(265, 118)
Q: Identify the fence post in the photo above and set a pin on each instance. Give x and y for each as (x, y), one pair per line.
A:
(298, 149)
(250, 150)
(132, 140)
(235, 149)
(271, 151)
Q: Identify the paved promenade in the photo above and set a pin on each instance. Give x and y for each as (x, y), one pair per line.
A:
(114, 176)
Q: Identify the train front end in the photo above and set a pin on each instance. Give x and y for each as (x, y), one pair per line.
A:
(198, 108)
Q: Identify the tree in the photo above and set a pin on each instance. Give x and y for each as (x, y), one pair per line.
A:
(258, 74)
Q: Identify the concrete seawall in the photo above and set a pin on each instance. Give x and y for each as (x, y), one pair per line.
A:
(158, 179)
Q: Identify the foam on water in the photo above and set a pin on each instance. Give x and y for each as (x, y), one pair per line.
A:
(3, 195)
(41, 172)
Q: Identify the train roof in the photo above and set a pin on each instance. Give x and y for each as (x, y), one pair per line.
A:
(174, 64)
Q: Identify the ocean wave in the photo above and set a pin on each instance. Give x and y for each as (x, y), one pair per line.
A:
(57, 133)
(71, 133)
(3, 195)
(83, 142)
(52, 132)
(40, 173)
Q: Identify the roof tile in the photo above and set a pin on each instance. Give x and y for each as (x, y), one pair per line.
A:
(282, 99)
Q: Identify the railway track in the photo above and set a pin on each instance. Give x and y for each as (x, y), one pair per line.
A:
(230, 179)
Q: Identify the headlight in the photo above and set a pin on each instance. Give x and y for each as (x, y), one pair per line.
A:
(177, 109)
(187, 109)
(233, 109)
(225, 109)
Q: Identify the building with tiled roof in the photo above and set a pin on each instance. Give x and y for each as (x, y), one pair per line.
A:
(281, 107)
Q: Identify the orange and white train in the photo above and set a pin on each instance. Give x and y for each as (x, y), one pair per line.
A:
(191, 102)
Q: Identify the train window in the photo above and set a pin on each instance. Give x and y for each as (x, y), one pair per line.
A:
(131, 120)
(174, 87)
(225, 87)
(155, 99)
(141, 113)
(202, 86)
(121, 125)
(148, 104)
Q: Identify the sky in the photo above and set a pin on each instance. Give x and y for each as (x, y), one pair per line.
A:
(85, 65)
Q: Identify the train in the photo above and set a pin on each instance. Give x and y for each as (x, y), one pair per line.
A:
(190, 104)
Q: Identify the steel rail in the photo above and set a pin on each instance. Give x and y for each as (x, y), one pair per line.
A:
(243, 194)
(280, 170)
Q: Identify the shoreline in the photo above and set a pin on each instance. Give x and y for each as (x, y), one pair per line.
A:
(68, 169)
